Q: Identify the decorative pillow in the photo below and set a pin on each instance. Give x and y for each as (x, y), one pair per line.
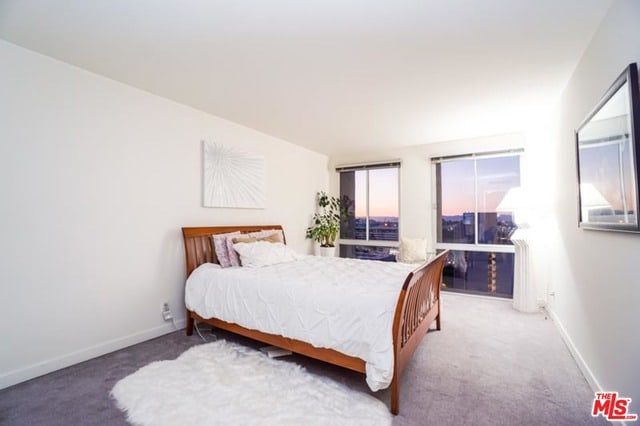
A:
(267, 233)
(236, 240)
(412, 250)
(233, 256)
(220, 247)
(273, 238)
(263, 253)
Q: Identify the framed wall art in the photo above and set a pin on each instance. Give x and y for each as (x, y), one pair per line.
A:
(232, 178)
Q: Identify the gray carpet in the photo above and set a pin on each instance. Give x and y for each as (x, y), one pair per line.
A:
(490, 365)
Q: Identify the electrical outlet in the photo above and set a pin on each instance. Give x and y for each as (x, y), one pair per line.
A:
(166, 312)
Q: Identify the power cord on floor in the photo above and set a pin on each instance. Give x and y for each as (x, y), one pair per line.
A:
(195, 325)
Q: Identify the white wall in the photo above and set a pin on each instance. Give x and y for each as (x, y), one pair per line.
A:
(594, 275)
(96, 180)
(416, 213)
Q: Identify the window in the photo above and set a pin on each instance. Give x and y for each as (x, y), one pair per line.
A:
(468, 191)
(370, 194)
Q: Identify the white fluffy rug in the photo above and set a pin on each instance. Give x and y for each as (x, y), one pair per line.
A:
(222, 383)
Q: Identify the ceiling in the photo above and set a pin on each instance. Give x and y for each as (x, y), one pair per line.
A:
(334, 76)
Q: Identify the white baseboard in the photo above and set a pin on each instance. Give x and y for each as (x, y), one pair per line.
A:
(476, 296)
(23, 374)
(582, 365)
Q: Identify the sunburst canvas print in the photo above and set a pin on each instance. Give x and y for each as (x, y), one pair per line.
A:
(232, 178)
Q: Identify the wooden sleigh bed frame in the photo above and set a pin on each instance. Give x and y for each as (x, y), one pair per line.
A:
(417, 307)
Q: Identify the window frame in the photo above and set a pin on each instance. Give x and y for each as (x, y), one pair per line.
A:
(372, 166)
(480, 247)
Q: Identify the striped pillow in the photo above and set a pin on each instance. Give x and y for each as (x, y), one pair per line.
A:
(221, 249)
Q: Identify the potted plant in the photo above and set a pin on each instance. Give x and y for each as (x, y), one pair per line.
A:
(326, 223)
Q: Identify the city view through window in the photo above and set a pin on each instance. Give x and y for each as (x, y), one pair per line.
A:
(371, 198)
(468, 193)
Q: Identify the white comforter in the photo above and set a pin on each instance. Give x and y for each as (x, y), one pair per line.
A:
(343, 304)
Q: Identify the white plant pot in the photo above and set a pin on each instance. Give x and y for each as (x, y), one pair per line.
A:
(327, 251)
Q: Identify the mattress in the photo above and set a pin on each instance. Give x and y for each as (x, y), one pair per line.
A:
(343, 304)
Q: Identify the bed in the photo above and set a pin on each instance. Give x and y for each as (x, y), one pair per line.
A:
(415, 305)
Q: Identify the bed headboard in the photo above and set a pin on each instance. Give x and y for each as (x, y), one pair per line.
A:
(198, 246)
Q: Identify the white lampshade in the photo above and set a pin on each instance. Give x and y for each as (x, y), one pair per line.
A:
(591, 197)
(591, 200)
(513, 201)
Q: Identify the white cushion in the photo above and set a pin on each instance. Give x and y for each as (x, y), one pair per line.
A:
(234, 260)
(412, 250)
(263, 253)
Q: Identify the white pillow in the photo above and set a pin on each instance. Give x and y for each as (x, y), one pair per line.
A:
(263, 253)
(412, 250)
(234, 260)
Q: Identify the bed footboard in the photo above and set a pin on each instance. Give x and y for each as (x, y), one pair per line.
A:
(418, 305)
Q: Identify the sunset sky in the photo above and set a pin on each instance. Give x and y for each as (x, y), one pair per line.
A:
(495, 177)
(384, 199)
